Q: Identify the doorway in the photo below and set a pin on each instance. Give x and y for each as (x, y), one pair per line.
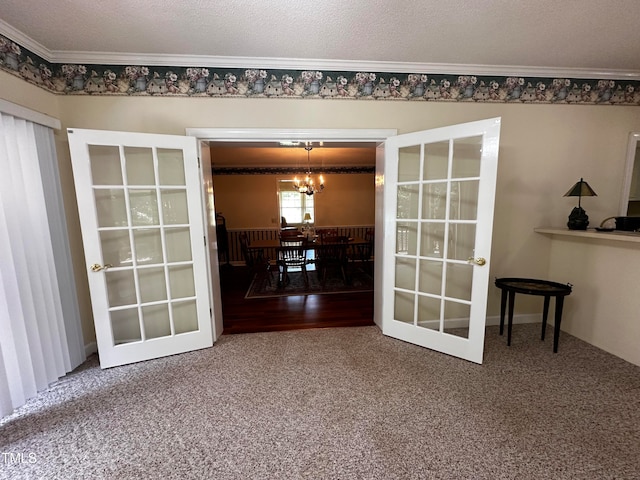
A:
(352, 136)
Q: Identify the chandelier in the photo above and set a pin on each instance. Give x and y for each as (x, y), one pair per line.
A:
(307, 185)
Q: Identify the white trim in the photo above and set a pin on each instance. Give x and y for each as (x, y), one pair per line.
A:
(24, 41)
(19, 111)
(519, 319)
(632, 145)
(277, 134)
(216, 61)
(274, 63)
(90, 348)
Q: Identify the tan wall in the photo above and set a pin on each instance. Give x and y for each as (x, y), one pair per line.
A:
(603, 306)
(251, 201)
(544, 150)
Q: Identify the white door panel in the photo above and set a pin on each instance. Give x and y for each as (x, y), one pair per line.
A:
(438, 207)
(140, 207)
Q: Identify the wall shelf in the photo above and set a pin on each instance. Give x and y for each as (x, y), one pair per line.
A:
(616, 235)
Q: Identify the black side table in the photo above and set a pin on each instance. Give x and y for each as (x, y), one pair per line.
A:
(531, 286)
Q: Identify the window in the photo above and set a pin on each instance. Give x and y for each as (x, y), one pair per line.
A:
(293, 205)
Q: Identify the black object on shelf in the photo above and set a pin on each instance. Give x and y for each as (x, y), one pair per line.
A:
(628, 224)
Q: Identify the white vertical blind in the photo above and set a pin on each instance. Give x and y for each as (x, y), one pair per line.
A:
(40, 333)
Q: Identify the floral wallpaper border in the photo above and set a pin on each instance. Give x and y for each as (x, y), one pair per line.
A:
(199, 81)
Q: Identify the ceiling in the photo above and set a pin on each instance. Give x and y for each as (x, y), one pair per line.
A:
(592, 35)
(271, 154)
(579, 38)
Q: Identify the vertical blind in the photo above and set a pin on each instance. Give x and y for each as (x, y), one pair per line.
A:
(40, 330)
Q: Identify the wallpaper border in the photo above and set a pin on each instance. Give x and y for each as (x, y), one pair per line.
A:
(202, 81)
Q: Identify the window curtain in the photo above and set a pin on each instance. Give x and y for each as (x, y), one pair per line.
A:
(40, 330)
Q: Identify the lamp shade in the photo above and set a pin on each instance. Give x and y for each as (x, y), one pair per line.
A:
(581, 189)
(307, 217)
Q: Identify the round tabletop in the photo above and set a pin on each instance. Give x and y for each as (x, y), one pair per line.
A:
(533, 286)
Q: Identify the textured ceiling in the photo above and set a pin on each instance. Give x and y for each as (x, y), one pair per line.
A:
(595, 35)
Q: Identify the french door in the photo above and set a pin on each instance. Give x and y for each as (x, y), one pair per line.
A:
(439, 190)
(140, 207)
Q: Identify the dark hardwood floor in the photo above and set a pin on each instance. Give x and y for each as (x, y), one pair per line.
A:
(288, 313)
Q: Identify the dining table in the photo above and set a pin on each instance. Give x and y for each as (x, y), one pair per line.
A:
(268, 248)
(263, 246)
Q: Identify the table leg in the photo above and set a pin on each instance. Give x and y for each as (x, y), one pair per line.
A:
(512, 300)
(556, 329)
(503, 306)
(545, 313)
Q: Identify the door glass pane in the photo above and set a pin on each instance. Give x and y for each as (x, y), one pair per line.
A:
(430, 280)
(407, 238)
(185, 317)
(434, 200)
(456, 319)
(144, 207)
(121, 287)
(408, 197)
(466, 157)
(406, 273)
(409, 163)
(429, 312)
(174, 207)
(148, 243)
(436, 160)
(153, 286)
(459, 281)
(170, 167)
(125, 326)
(432, 239)
(462, 239)
(464, 200)
(110, 207)
(156, 321)
(105, 165)
(116, 247)
(403, 309)
(181, 281)
(139, 163)
(178, 242)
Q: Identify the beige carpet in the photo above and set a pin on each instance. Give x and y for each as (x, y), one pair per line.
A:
(337, 404)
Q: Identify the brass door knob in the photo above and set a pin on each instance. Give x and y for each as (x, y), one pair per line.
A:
(478, 261)
(97, 267)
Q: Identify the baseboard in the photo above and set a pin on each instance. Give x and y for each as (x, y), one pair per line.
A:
(525, 318)
(90, 348)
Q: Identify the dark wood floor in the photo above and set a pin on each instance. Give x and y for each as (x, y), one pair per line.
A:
(288, 313)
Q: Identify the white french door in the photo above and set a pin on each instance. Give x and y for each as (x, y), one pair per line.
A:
(140, 206)
(439, 190)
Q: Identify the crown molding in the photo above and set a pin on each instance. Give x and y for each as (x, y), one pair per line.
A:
(25, 41)
(275, 63)
(105, 58)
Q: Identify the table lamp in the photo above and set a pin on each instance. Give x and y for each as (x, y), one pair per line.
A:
(306, 229)
(578, 218)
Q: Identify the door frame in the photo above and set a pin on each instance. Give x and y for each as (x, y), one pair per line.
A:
(317, 135)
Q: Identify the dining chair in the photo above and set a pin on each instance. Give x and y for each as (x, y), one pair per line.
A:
(326, 232)
(289, 234)
(331, 255)
(292, 254)
(363, 253)
(258, 265)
